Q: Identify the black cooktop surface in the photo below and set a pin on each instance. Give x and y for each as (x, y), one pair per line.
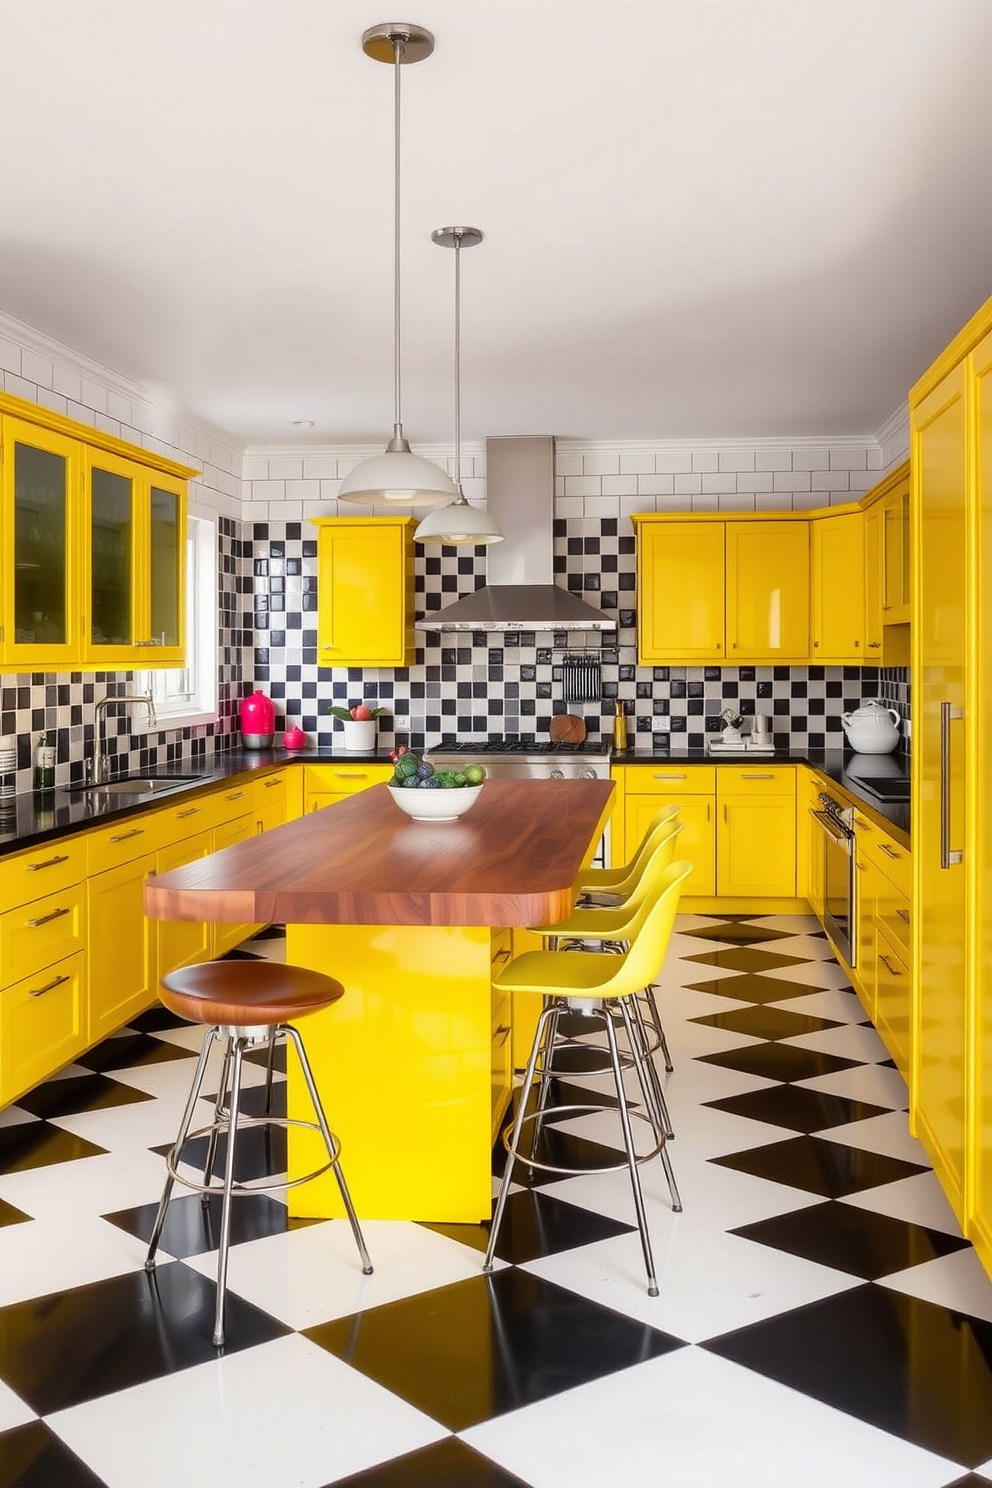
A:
(885, 787)
(517, 745)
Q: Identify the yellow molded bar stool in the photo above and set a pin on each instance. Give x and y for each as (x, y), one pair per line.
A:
(612, 929)
(600, 986)
(245, 1005)
(617, 883)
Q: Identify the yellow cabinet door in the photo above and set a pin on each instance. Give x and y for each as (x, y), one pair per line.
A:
(182, 942)
(697, 840)
(680, 591)
(365, 591)
(873, 584)
(867, 890)
(120, 945)
(896, 556)
(893, 1000)
(42, 471)
(939, 457)
(325, 785)
(756, 846)
(134, 563)
(838, 554)
(767, 591)
(42, 1025)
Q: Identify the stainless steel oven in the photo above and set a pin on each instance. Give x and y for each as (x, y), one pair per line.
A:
(834, 826)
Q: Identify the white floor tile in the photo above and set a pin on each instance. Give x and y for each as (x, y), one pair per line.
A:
(13, 1411)
(792, 924)
(919, 1199)
(888, 1135)
(852, 1041)
(957, 1281)
(45, 1256)
(225, 1431)
(15, 1116)
(90, 1186)
(151, 1123)
(821, 974)
(696, 1421)
(875, 1084)
(840, 1006)
(313, 1274)
(811, 946)
(709, 1283)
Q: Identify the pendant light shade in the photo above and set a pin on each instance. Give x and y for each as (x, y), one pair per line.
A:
(397, 476)
(459, 522)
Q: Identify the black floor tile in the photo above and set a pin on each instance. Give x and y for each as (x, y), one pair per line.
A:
(253, 1099)
(32, 1456)
(259, 1152)
(778, 1061)
(193, 1229)
(852, 1239)
(75, 1093)
(746, 958)
(128, 1050)
(450, 1463)
(565, 1151)
(818, 1166)
(10, 1215)
(157, 1019)
(797, 1107)
(743, 933)
(754, 988)
(535, 1225)
(37, 1144)
(473, 1350)
(261, 1056)
(765, 1022)
(59, 1350)
(912, 1368)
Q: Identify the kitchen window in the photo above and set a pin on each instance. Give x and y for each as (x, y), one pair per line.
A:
(185, 696)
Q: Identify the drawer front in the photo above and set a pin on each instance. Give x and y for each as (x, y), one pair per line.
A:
(749, 780)
(55, 865)
(270, 791)
(41, 1025)
(671, 780)
(233, 801)
(130, 838)
(895, 861)
(344, 780)
(894, 1003)
(893, 912)
(186, 819)
(35, 935)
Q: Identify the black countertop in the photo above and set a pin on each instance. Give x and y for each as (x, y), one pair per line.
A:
(42, 815)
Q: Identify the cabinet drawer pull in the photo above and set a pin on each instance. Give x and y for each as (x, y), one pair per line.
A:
(56, 914)
(501, 1034)
(126, 836)
(766, 776)
(48, 987)
(865, 826)
(668, 777)
(874, 645)
(270, 783)
(708, 813)
(192, 811)
(48, 863)
(351, 775)
(889, 852)
(234, 796)
(892, 970)
(503, 955)
(903, 915)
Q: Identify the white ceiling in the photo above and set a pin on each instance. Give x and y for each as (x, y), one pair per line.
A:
(703, 218)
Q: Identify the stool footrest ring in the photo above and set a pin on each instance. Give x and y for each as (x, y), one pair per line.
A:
(537, 1118)
(260, 1185)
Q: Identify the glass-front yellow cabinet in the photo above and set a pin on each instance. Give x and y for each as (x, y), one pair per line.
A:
(41, 482)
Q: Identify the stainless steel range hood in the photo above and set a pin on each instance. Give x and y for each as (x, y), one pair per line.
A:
(520, 592)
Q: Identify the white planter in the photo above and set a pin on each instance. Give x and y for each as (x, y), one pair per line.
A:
(359, 735)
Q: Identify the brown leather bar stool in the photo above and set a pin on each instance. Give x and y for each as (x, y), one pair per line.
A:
(245, 1005)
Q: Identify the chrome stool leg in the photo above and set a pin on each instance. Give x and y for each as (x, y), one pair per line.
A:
(237, 1046)
(654, 1079)
(540, 1035)
(269, 1067)
(184, 1126)
(221, 1107)
(664, 1154)
(628, 1140)
(659, 1029)
(333, 1148)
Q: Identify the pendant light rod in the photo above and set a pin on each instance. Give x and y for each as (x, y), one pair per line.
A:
(397, 441)
(457, 238)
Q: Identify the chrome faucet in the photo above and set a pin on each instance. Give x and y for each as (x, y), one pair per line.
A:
(98, 765)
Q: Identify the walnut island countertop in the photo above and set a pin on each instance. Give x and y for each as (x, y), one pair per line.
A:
(511, 860)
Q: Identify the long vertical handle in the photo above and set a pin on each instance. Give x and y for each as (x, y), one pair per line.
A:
(949, 857)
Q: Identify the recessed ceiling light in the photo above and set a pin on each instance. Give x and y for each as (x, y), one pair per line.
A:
(302, 423)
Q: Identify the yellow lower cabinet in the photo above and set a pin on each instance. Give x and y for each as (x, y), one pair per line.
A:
(648, 788)
(756, 833)
(271, 803)
(501, 1067)
(226, 834)
(867, 889)
(35, 935)
(42, 1025)
(893, 1000)
(120, 947)
(809, 846)
(182, 942)
(325, 785)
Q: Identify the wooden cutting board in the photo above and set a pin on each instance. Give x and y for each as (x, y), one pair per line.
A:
(567, 728)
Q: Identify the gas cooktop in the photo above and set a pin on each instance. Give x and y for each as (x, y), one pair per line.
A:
(514, 745)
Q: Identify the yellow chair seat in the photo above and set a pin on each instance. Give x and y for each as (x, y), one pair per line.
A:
(620, 922)
(620, 881)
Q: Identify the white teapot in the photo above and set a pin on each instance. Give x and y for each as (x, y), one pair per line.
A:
(872, 729)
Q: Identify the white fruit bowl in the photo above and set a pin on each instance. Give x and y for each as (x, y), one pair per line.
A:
(436, 805)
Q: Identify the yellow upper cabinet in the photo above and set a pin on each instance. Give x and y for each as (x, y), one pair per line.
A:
(93, 547)
(365, 591)
(134, 589)
(680, 591)
(896, 565)
(873, 583)
(838, 610)
(768, 591)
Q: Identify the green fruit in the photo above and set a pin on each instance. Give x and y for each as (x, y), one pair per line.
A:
(475, 774)
(459, 777)
(406, 766)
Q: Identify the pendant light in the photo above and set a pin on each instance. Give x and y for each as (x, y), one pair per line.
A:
(397, 477)
(458, 523)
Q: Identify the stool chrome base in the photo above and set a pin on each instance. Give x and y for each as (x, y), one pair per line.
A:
(540, 1068)
(228, 1121)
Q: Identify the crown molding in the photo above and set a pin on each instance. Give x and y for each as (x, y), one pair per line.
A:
(895, 430)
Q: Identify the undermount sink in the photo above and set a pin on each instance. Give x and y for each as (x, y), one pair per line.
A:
(137, 785)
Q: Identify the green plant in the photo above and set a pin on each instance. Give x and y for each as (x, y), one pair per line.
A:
(357, 713)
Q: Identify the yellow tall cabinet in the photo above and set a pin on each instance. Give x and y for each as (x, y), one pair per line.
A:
(951, 459)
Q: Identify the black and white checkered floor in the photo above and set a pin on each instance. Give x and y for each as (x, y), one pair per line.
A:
(821, 1321)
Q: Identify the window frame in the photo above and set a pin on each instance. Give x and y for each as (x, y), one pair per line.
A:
(198, 705)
